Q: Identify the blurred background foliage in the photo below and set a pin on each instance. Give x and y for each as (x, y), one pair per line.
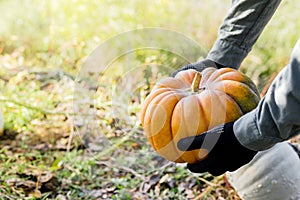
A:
(43, 45)
(59, 34)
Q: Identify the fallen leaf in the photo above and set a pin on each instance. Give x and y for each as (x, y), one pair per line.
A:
(61, 197)
(150, 182)
(26, 185)
(35, 194)
(51, 183)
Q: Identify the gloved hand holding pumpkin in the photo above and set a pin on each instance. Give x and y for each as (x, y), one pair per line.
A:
(193, 103)
(225, 151)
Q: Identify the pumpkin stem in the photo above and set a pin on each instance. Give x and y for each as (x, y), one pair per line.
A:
(196, 82)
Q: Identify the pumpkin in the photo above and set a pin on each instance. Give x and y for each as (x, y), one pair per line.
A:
(271, 174)
(192, 103)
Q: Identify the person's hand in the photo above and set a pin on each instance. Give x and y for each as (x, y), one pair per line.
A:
(225, 151)
(198, 66)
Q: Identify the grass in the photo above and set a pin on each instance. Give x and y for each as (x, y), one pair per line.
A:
(52, 151)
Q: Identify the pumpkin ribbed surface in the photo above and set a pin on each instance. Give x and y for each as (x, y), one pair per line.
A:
(192, 103)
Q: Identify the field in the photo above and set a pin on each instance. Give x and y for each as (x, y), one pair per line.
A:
(71, 110)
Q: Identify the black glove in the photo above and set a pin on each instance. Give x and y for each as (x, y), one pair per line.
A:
(225, 151)
(199, 66)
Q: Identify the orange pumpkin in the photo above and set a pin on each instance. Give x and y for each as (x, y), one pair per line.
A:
(192, 103)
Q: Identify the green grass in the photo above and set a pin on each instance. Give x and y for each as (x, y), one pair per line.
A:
(43, 45)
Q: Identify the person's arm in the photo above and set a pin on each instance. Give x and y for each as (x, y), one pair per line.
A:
(277, 117)
(240, 30)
